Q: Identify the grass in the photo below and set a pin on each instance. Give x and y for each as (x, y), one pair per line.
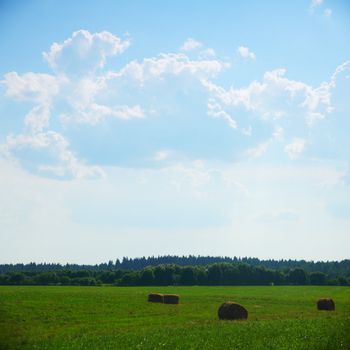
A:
(33, 317)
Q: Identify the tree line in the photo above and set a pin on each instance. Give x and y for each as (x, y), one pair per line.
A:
(229, 274)
(332, 268)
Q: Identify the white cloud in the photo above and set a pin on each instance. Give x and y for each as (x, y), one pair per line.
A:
(207, 53)
(246, 53)
(278, 133)
(162, 155)
(258, 151)
(171, 63)
(295, 148)
(96, 113)
(344, 67)
(191, 44)
(38, 118)
(64, 164)
(31, 86)
(84, 51)
(276, 96)
(38, 88)
(82, 92)
(89, 98)
(215, 110)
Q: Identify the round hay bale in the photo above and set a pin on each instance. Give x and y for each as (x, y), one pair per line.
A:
(171, 299)
(232, 311)
(155, 298)
(325, 304)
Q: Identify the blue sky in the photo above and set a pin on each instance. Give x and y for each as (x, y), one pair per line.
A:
(137, 128)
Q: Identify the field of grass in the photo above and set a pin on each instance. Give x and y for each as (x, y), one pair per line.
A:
(34, 317)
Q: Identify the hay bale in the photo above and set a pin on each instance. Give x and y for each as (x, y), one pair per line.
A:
(232, 311)
(155, 298)
(326, 304)
(171, 299)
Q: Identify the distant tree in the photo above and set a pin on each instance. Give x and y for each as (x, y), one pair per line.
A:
(4, 279)
(317, 278)
(201, 275)
(147, 277)
(245, 274)
(214, 274)
(164, 275)
(230, 274)
(47, 278)
(298, 276)
(187, 276)
(107, 277)
(85, 281)
(342, 281)
(65, 280)
(16, 278)
(130, 279)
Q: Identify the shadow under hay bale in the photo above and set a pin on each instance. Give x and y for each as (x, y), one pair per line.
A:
(171, 299)
(326, 304)
(232, 311)
(155, 298)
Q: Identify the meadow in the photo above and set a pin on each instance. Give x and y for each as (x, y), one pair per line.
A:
(280, 317)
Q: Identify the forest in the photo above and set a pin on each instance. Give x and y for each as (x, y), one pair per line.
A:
(332, 268)
(173, 270)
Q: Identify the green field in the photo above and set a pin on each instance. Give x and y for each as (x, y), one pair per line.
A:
(33, 317)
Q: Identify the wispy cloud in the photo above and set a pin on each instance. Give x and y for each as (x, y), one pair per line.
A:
(215, 110)
(257, 151)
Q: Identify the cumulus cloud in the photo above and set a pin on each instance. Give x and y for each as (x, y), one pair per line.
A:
(171, 63)
(84, 51)
(38, 118)
(96, 113)
(77, 90)
(246, 53)
(191, 44)
(62, 161)
(40, 89)
(82, 92)
(295, 148)
(94, 96)
(275, 96)
(34, 87)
